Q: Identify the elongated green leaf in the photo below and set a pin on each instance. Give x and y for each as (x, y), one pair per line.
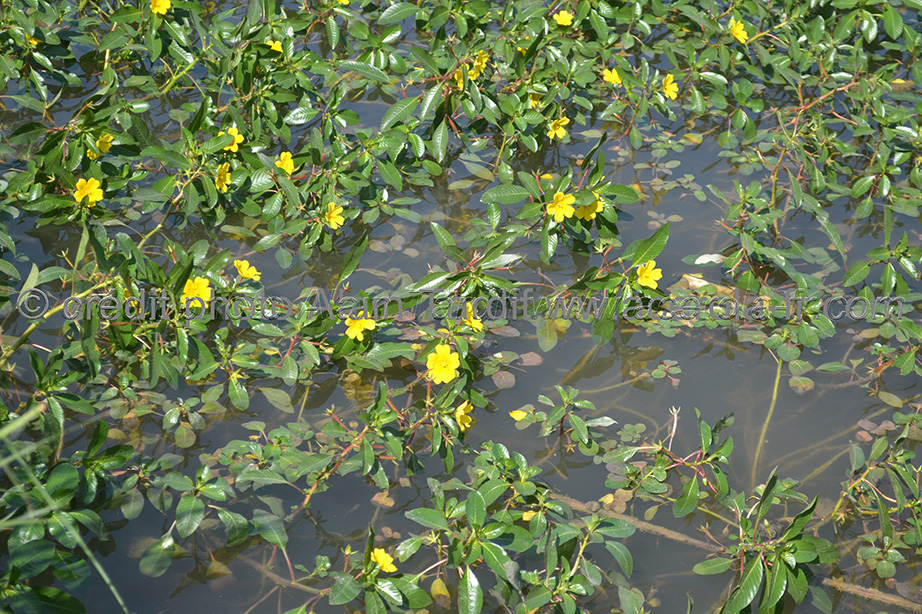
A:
(366, 70)
(169, 156)
(470, 595)
(344, 589)
(743, 594)
(688, 500)
(399, 111)
(351, 262)
(713, 566)
(505, 194)
(433, 519)
(397, 12)
(651, 247)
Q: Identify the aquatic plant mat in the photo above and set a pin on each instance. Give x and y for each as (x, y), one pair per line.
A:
(460, 306)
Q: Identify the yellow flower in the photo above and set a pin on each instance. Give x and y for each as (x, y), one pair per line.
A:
(238, 138)
(90, 189)
(356, 328)
(588, 212)
(534, 100)
(33, 40)
(557, 128)
(378, 555)
(480, 64)
(274, 45)
(459, 78)
(160, 6)
(472, 320)
(611, 76)
(647, 274)
(343, 2)
(246, 270)
(670, 87)
(222, 180)
(526, 516)
(461, 416)
(518, 415)
(92, 155)
(738, 30)
(443, 364)
(563, 18)
(562, 207)
(285, 162)
(197, 288)
(104, 143)
(547, 176)
(607, 499)
(333, 217)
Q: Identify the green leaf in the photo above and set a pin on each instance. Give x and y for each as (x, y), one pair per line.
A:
(774, 588)
(397, 12)
(399, 111)
(366, 70)
(856, 273)
(688, 500)
(189, 514)
(32, 557)
(622, 556)
(476, 509)
(168, 156)
(743, 594)
(440, 141)
(470, 595)
(271, 528)
(299, 116)
(713, 566)
(157, 558)
(505, 194)
(236, 527)
(332, 31)
(427, 517)
(344, 589)
(651, 247)
(353, 257)
(127, 14)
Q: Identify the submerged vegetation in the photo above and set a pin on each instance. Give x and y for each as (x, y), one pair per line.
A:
(218, 187)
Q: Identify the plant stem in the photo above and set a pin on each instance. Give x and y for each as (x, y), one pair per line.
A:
(768, 419)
